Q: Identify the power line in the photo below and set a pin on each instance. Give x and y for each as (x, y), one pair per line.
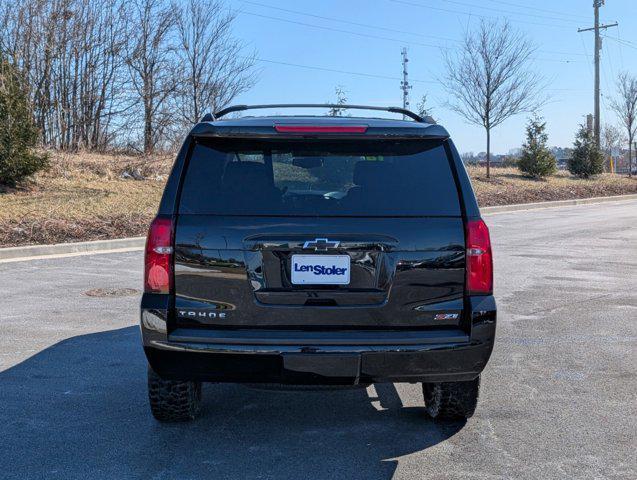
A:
(608, 84)
(590, 71)
(458, 12)
(536, 9)
(555, 60)
(376, 27)
(499, 10)
(621, 53)
(377, 37)
(365, 35)
(334, 70)
(348, 22)
(625, 43)
(612, 64)
(366, 74)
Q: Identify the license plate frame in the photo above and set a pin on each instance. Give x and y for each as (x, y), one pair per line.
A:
(304, 269)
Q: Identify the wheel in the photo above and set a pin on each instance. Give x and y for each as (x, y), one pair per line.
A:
(452, 400)
(173, 400)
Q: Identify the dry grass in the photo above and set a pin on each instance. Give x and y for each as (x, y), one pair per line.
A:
(84, 197)
(508, 186)
(89, 196)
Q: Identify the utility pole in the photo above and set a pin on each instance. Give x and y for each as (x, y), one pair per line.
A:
(404, 85)
(598, 47)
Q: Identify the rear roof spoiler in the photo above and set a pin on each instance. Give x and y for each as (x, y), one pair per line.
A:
(239, 108)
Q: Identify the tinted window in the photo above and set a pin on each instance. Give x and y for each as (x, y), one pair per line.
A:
(368, 178)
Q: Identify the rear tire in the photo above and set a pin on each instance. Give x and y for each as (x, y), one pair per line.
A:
(173, 400)
(451, 400)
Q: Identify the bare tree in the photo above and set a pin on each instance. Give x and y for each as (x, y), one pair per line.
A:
(612, 137)
(468, 158)
(341, 99)
(422, 107)
(489, 79)
(211, 63)
(105, 72)
(101, 70)
(151, 66)
(69, 51)
(625, 107)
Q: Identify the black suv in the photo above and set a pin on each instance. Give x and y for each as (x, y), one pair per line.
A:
(317, 250)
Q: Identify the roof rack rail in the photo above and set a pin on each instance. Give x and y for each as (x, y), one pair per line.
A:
(240, 108)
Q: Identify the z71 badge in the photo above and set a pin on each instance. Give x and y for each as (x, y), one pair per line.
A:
(446, 316)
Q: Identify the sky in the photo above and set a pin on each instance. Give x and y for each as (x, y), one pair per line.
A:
(307, 48)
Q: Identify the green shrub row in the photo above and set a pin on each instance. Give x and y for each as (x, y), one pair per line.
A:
(18, 133)
(537, 160)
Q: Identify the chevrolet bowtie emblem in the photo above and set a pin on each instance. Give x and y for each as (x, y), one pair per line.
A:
(321, 244)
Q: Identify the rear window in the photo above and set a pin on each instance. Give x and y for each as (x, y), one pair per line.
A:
(300, 178)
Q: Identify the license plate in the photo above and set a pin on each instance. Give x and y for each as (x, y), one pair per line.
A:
(320, 269)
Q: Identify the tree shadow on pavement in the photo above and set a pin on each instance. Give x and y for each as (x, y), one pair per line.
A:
(78, 409)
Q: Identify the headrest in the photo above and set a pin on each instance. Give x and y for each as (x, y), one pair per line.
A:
(368, 173)
(241, 174)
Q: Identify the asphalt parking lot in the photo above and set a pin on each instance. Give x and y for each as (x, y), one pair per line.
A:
(559, 398)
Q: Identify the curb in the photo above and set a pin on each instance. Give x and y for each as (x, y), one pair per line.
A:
(132, 244)
(557, 203)
(31, 252)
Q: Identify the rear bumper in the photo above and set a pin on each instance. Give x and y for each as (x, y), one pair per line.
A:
(342, 365)
(303, 357)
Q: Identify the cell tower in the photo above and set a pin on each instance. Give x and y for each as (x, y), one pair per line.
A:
(404, 84)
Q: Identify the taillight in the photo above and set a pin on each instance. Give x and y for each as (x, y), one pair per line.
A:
(479, 259)
(158, 275)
